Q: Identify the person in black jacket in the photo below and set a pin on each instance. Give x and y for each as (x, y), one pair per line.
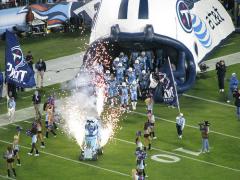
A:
(36, 99)
(221, 71)
(40, 66)
(29, 59)
(237, 103)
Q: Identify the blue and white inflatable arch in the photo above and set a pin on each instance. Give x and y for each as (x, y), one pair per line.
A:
(191, 28)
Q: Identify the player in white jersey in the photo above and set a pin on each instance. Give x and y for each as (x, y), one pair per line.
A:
(180, 123)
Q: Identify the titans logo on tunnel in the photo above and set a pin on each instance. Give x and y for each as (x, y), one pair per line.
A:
(142, 25)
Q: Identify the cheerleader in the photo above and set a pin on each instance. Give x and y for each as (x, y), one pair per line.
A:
(9, 156)
(16, 148)
(149, 103)
(39, 133)
(151, 119)
(50, 121)
(147, 139)
(33, 133)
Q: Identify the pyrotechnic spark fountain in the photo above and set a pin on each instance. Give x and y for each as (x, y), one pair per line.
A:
(87, 99)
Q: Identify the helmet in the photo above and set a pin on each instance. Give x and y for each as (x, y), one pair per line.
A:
(143, 53)
(134, 82)
(143, 72)
(107, 72)
(119, 64)
(136, 61)
(121, 54)
(124, 84)
(130, 69)
(116, 59)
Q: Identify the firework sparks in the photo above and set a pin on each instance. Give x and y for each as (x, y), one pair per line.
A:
(88, 99)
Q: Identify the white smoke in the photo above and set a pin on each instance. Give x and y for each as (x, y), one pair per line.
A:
(87, 100)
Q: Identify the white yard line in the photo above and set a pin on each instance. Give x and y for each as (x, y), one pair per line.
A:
(129, 142)
(198, 160)
(5, 177)
(28, 122)
(228, 44)
(3, 128)
(195, 127)
(72, 160)
(207, 100)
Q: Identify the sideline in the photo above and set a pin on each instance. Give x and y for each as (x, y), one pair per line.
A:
(72, 160)
(207, 100)
(195, 127)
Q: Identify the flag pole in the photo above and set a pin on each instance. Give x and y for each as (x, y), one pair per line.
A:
(174, 82)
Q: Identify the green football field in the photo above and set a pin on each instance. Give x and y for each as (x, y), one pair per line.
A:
(174, 158)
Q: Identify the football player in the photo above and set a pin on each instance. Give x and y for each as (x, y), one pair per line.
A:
(112, 90)
(144, 82)
(137, 68)
(134, 94)
(115, 63)
(149, 63)
(142, 60)
(124, 95)
(124, 59)
(134, 56)
(131, 75)
(120, 70)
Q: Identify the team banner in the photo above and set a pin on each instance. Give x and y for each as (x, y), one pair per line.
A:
(165, 91)
(169, 87)
(16, 69)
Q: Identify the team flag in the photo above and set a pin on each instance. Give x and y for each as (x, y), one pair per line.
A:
(166, 91)
(16, 69)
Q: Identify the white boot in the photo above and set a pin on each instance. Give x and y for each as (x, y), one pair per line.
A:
(135, 105)
(132, 105)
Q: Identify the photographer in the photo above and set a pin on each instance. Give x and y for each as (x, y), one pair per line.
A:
(204, 128)
(221, 71)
